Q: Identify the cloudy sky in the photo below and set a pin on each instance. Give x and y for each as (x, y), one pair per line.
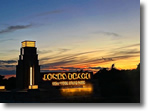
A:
(71, 34)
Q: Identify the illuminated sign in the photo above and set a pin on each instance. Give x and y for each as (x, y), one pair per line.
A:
(67, 83)
(67, 78)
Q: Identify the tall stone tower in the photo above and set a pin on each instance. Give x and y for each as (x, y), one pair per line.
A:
(28, 69)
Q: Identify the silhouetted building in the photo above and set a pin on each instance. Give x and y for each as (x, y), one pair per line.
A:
(28, 69)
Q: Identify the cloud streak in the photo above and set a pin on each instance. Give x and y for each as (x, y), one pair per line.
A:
(14, 28)
(74, 61)
(7, 40)
(44, 51)
(69, 56)
(58, 63)
(81, 59)
(7, 61)
(129, 46)
(7, 66)
(63, 50)
(95, 67)
(7, 72)
(108, 33)
(134, 51)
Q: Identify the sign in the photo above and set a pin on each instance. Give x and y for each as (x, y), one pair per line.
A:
(67, 78)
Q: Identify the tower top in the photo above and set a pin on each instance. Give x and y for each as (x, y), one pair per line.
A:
(28, 43)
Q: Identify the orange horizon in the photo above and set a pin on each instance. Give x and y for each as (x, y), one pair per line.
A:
(85, 69)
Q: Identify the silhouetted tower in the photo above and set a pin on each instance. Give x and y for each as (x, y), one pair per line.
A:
(28, 69)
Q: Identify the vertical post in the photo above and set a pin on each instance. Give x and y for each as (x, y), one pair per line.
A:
(31, 76)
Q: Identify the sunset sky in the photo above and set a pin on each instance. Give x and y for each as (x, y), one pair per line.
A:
(71, 34)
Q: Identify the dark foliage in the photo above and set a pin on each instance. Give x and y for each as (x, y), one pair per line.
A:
(119, 83)
(8, 83)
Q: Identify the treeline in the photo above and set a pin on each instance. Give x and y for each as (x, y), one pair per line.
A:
(119, 83)
(9, 83)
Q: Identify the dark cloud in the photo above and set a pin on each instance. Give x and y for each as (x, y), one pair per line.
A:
(125, 52)
(59, 63)
(128, 52)
(42, 71)
(64, 69)
(106, 59)
(70, 68)
(7, 66)
(7, 61)
(95, 67)
(123, 57)
(108, 33)
(7, 72)
(14, 28)
(50, 12)
(74, 70)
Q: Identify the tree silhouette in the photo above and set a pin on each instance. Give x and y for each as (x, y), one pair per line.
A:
(9, 83)
(119, 83)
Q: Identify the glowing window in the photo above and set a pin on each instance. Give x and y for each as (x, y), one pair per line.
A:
(33, 87)
(28, 44)
(2, 87)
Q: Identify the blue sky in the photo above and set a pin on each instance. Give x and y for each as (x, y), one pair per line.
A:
(64, 28)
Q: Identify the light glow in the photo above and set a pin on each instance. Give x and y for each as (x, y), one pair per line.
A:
(28, 44)
(68, 83)
(2, 87)
(86, 89)
(33, 87)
